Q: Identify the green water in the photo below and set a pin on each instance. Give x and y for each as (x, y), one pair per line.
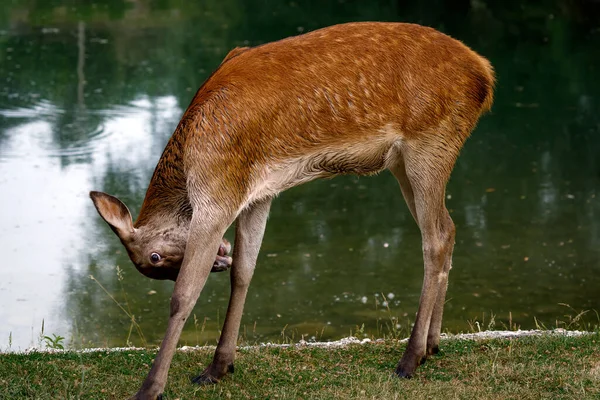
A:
(89, 95)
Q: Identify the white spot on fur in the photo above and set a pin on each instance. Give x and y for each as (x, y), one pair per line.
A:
(442, 277)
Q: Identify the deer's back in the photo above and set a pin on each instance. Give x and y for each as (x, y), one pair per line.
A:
(336, 100)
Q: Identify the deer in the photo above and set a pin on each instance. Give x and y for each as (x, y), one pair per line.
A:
(355, 98)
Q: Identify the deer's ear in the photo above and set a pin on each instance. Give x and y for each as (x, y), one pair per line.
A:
(115, 213)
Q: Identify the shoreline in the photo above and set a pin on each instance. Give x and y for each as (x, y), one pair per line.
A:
(483, 335)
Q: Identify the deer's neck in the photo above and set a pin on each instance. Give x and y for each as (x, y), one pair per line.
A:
(166, 197)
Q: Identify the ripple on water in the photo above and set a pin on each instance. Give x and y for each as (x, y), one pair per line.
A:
(64, 133)
(42, 108)
(84, 146)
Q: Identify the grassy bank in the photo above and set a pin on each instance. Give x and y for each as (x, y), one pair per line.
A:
(555, 367)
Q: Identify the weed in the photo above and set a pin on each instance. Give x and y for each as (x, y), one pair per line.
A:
(577, 322)
(55, 342)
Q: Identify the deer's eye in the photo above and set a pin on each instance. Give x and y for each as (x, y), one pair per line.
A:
(155, 257)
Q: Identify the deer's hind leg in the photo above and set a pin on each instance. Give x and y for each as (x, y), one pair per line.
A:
(422, 175)
(435, 327)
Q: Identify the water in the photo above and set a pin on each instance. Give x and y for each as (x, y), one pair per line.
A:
(89, 95)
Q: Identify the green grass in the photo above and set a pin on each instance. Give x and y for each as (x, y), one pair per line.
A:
(548, 367)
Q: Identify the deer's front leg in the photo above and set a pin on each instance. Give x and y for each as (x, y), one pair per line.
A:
(202, 245)
(250, 228)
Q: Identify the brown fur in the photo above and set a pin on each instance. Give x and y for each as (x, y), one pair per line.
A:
(349, 99)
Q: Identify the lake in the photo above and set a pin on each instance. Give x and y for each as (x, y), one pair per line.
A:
(90, 94)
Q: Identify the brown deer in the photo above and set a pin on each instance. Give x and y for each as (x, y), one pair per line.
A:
(355, 98)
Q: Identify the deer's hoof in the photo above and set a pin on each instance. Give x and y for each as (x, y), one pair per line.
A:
(401, 373)
(408, 365)
(433, 350)
(208, 377)
(145, 396)
(205, 379)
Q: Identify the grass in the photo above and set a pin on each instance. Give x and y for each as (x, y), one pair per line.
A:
(546, 367)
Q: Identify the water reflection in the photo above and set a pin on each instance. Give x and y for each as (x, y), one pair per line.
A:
(89, 95)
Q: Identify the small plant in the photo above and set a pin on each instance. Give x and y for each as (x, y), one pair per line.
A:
(359, 331)
(539, 325)
(475, 326)
(201, 326)
(55, 342)
(577, 322)
(285, 337)
(388, 323)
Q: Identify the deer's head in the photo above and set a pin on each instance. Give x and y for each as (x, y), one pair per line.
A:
(156, 249)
